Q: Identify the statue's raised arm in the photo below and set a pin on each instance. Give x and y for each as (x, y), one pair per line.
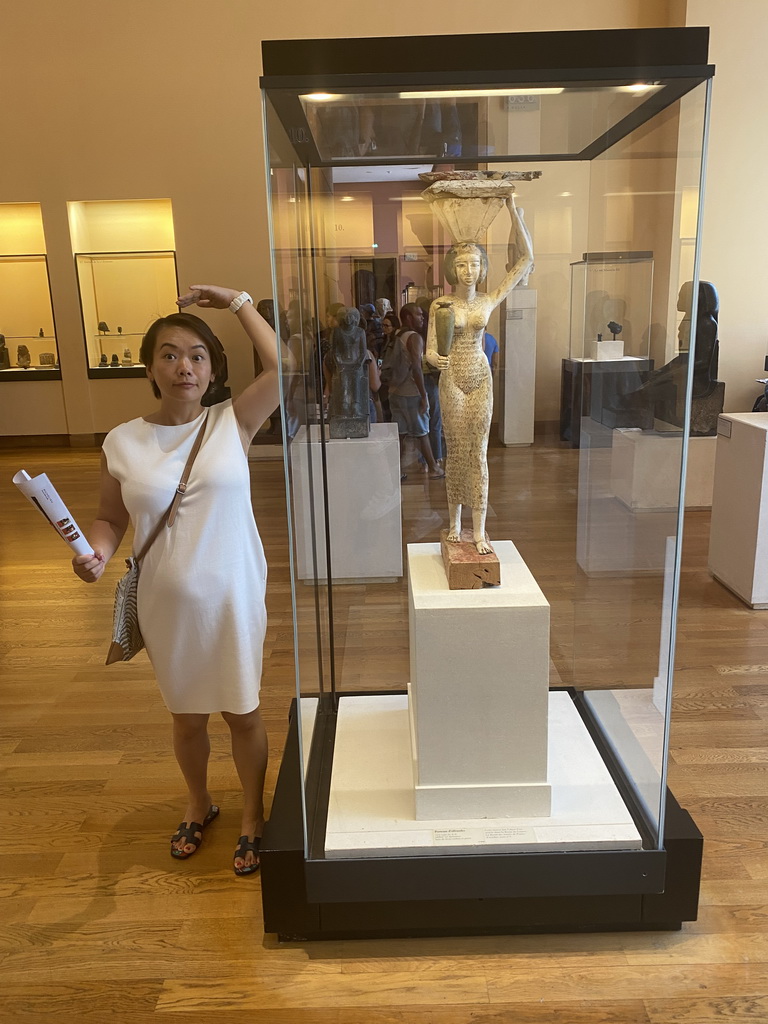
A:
(519, 256)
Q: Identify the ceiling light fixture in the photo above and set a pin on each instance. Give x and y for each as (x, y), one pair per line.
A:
(460, 94)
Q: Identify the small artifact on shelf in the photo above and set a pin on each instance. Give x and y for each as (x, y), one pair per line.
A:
(119, 330)
(103, 361)
(47, 359)
(102, 328)
(614, 328)
(42, 333)
(465, 569)
(5, 355)
(127, 357)
(22, 357)
(115, 360)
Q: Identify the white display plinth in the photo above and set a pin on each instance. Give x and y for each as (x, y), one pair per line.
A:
(363, 505)
(738, 536)
(645, 469)
(602, 350)
(518, 360)
(611, 538)
(478, 690)
(371, 801)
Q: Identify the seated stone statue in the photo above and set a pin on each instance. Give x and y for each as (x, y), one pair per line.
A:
(661, 396)
(345, 364)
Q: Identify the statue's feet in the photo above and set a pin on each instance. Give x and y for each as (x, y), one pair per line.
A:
(454, 536)
(483, 547)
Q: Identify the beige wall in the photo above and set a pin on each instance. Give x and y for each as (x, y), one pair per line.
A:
(161, 100)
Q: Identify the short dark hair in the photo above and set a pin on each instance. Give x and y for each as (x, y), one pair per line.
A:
(193, 323)
(410, 309)
(459, 249)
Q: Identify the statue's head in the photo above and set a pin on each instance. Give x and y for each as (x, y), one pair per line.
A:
(461, 249)
(348, 318)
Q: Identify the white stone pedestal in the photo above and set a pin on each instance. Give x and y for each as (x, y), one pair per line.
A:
(738, 537)
(600, 350)
(645, 469)
(611, 538)
(478, 691)
(363, 505)
(518, 368)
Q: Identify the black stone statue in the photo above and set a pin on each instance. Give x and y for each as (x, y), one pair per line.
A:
(348, 408)
(661, 396)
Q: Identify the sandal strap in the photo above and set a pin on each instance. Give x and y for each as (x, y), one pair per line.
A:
(244, 845)
(188, 833)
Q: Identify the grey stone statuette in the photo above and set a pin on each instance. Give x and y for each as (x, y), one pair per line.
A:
(348, 408)
(23, 359)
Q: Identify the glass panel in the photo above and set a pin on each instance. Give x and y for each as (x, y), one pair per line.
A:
(121, 294)
(613, 237)
(633, 444)
(27, 332)
(465, 123)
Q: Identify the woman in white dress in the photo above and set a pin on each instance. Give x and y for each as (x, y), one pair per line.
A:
(466, 386)
(201, 589)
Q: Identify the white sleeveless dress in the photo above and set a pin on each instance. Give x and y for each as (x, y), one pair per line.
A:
(202, 583)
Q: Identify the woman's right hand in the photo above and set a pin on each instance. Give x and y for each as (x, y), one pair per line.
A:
(89, 568)
(434, 358)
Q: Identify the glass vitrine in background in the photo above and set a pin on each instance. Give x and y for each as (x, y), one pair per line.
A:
(376, 831)
(121, 294)
(28, 349)
(125, 260)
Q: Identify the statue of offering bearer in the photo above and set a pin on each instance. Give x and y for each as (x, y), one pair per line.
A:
(466, 203)
(348, 408)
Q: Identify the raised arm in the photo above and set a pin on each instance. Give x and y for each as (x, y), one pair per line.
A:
(520, 259)
(260, 399)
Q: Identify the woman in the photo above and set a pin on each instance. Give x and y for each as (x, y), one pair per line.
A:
(466, 389)
(390, 325)
(201, 589)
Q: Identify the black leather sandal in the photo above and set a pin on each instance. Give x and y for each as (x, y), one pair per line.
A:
(244, 845)
(188, 834)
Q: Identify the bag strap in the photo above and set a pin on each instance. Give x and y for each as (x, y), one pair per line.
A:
(170, 515)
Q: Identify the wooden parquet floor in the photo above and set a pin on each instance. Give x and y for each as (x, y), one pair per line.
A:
(98, 924)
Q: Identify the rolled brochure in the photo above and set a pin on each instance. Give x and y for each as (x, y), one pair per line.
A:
(44, 497)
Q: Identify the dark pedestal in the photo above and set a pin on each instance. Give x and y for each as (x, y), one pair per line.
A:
(595, 389)
(309, 897)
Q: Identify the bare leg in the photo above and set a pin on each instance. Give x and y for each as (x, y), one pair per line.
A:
(192, 749)
(426, 450)
(249, 752)
(478, 531)
(454, 525)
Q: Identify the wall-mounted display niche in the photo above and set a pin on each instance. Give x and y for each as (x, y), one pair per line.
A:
(126, 274)
(28, 348)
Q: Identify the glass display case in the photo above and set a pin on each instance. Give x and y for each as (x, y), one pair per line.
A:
(610, 337)
(485, 756)
(121, 294)
(28, 348)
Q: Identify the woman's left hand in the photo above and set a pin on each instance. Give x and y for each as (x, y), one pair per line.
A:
(209, 296)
